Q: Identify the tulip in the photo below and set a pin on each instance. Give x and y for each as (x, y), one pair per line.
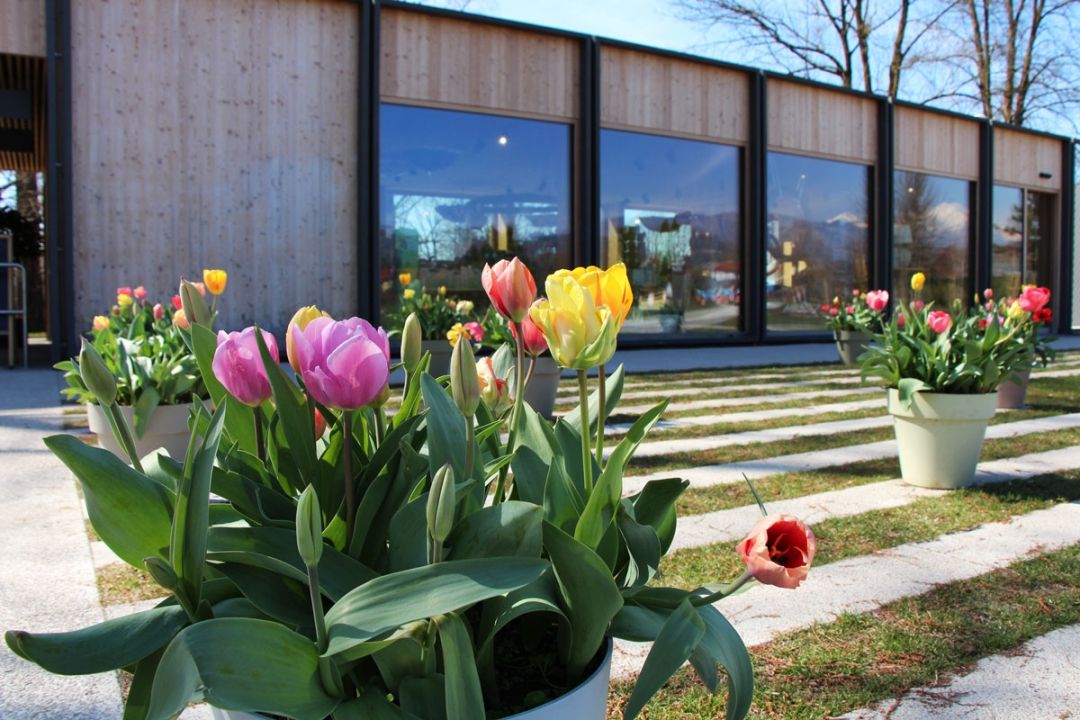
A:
(510, 287)
(194, 306)
(579, 334)
(901, 321)
(988, 293)
(405, 278)
(1042, 315)
(834, 312)
(1015, 312)
(301, 318)
(918, 280)
(115, 310)
(824, 308)
(457, 331)
(238, 366)
(96, 375)
(609, 287)
(494, 391)
(850, 309)
(464, 307)
(309, 542)
(778, 551)
(101, 322)
(917, 305)
(344, 364)
(177, 303)
(475, 330)
(159, 311)
(320, 424)
(939, 321)
(123, 290)
(409, 294)
(1034, 298)
(855, 292)
(180, 320)
(139, 293)
(124, 300)
(464, 383)
(535, 342)
(201, 287)
(442, 291)
(411, 343)
(215, 280)
(876, 300)
(441, 500)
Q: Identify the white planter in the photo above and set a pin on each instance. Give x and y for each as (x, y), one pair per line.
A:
(939, 436)
(440, 356)
(588, 701)
(850, 344)
(544, 386)
(168, 429)
(1011, 394)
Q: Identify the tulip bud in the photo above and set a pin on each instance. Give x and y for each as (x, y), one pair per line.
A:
(194, 305)
(162, 573)
(411, 339)
(320, 424)
(96, 375)
(309, 527)
(464, 385)
(440, 504)
(301, 318)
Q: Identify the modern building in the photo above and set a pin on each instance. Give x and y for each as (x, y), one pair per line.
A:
(319, 148)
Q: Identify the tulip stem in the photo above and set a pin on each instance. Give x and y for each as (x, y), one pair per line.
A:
(260, 440)
(470, 441)
(317, 607)
(515, 416)
(600, 412)
(699, 600)
(350, 491)
(529, 373)
(123, 433)
(586, 454)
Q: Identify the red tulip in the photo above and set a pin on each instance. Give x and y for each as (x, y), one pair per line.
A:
(1034, 298)
(176, 302)
(1043, 315)
(510, 287)
(535, 342)
(779, 551)
(939, 321)
(320, 424)
(876, 300)
(123, 290)
(159, 312)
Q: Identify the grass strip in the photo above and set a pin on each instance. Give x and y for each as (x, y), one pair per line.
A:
(120, 583)
(869, 532)
(725, 393)
(833, 668)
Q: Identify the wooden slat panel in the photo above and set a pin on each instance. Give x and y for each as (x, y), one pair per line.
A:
(680, 97)
(938, 144)
(818, 121)
(1019, 157)
(216, 134)
(22, 27)
(431, 59)
(25, 73)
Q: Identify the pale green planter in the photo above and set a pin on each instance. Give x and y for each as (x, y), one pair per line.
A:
(168, 428)
(850, 344)
(543, 388)
(939, 436)
(1011, 393)
(440, 356)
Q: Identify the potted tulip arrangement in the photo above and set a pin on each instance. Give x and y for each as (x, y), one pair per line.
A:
(853, 322)
(441, 319)
(412, 565)
(157, 380)
(1028, 313)
(942, 370)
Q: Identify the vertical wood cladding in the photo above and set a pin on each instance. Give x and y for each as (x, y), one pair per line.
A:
(937, 144)
(816, 121)
(22, 27)
(1019, 157)
(216, 134)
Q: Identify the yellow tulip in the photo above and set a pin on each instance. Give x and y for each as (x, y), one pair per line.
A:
(609, 287)
(409, 294)
(405, 278)
(442, 291)
(1015, 312)
(124, 300)
(918, 280)
(456, 331)
(215, 280)
(580, 334)
(300, 318)
(101, 323)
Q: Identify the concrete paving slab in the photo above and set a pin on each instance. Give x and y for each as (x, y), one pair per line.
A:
(765, 400)
(753, 415)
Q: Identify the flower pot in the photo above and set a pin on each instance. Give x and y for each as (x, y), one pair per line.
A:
(939, 436)
(544, 386)
(588, 701)
(1011, 394)
(440, 356)
(670, 322)
(167, 429)
(850, 344)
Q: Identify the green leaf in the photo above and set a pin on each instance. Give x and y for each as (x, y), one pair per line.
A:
(272, 592)
(106, 646)
(446, 428)
(907, 387)
(511, 528)
(137, 705)
(257, 502)
(191, 518)
(292, 412)
(655, 506)
(131, 513)
(241, 664)
(464, 699)
(144, 408)
(640, 546)
(530, 475)
(589, 595)
(722, 644)
(678, 637)
(613, 385)
(424, 697)
(371, 705)
(395, 599)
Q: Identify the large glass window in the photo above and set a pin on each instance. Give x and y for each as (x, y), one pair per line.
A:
(817, 239)
(1039, 241)
(1008, 238)
(932, 234)
(670, 211)
(461, 189)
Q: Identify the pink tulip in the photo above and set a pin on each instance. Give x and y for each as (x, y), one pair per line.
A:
(901, 321)
(834, 312)
(917, 305)
(476, 331)
(510, 287)
(876, 300)
(159, 312)
(535, 342)
(778, 551)
(939, 321)
(988, 293)
(1034, 298)
(123, 290)
(850, 309)
(344, 364)
(238, 366)
(139, 293)
(855, 292)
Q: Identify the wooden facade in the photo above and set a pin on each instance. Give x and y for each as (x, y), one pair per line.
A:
(22, 27)
(1027, 160)
(809, 120)
(936, 143)
(209, 134)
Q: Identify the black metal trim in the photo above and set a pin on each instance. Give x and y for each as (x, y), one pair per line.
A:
(368, 276)
(755, 209)
(1068, 239)
(881, 248)
(58, 180)
(16, 105)
(587, 249)
(982, 253)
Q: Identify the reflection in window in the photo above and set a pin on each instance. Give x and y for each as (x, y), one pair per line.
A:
(818, 234)
(670, 211)
(458, 190)
(1039, 242)
(1008, 238)
(931, 234)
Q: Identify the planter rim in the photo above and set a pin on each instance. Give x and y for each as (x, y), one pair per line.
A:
(160, 421)
(944, 406)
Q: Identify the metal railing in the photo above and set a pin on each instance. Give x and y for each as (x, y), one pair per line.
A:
(12, 313)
